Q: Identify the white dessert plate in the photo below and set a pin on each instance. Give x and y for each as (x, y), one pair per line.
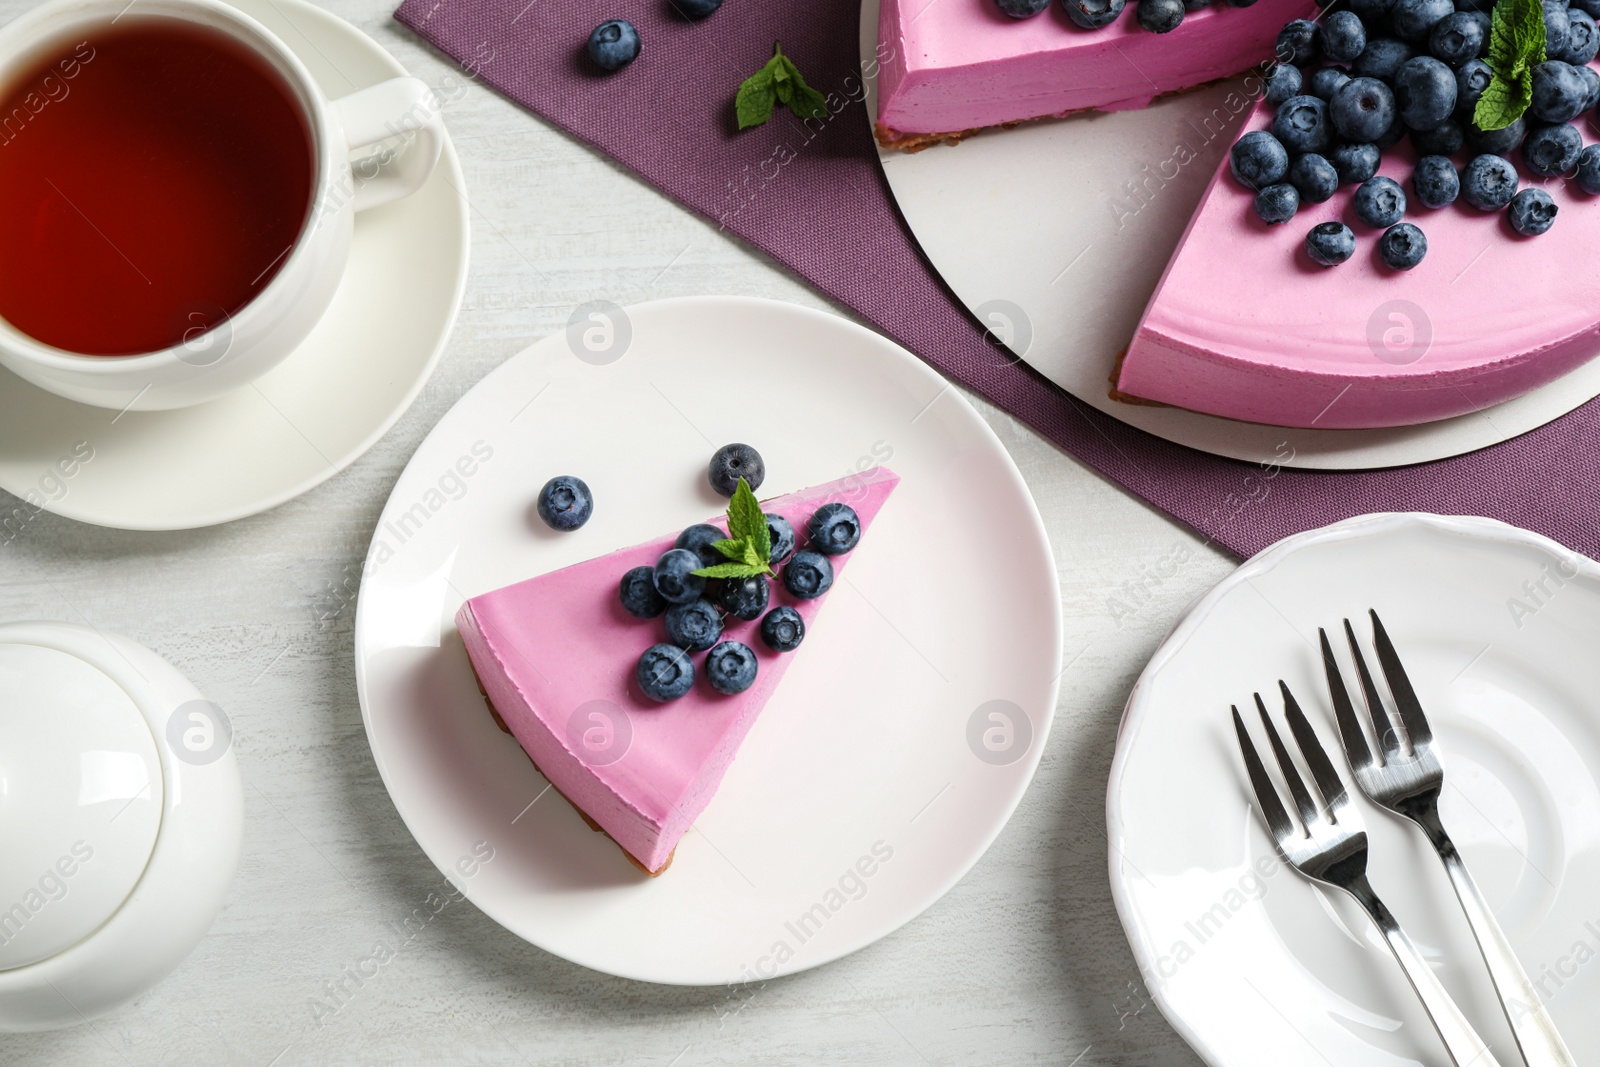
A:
(1252, 963)
(312, 415)
(1055, 234)
(902, 736)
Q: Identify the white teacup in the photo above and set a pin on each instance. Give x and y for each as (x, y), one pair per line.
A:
(261, 334)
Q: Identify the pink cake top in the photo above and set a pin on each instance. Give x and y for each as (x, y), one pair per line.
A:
(950, 65)
(565, 652)
(1244, 325)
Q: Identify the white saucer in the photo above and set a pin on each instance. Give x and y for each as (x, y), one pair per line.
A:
(1022, 226)
(311, 416)
(1263, 970)
(875, 744)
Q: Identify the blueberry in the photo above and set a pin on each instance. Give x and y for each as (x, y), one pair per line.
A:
(1017, 9)
(675, 578)
(1282, 83)
(1301, 124)
(1588, 7)
(1327, 81)
(1500, 142)
(695, 626)
(1330, 243)
(1559, 91)
(1381, 58)
(731, 668)
(1343, 36)
(1458, 38)
(1313, 177)
(565, 503)
(1532, 212)
(1092, 14)
(665, 672)
(745, 598)
(783, 629)
(1482, 7)
(1297, 43)
(1488, 182)
(1552, 150)
(808, 574)
(1425, 92)
(1444, 139)
(1583, 39)
(1380, 202)
(732, 462)
(1414, 20)
(639, 594)
(1589, 170)
(1435, 182)
(1393, 135)
(700, 9)
(1402, 246)
(1471, 80)
(1557, 27)
(1355, 162)
(834, 529)
(1363, 110)
(1277, 203)
(1195, 5)
(781, 535)
(698, 539)
(1592, 76)
(614, 44)
(1258, 159)
(1159, 16)
(1373, 13)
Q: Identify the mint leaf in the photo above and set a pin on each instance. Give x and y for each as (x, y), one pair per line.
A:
(732, 570)
(1502, 103)
(799, 97)
(755, 99)
(1516, 46)
(748, 546)
(745, 519)
(730, 548)
(779, 82)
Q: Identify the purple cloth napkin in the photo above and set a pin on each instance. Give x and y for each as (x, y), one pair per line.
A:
(812, 196)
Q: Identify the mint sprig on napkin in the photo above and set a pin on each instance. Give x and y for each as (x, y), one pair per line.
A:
(779, 82)
(1516, 46)
(748, 546)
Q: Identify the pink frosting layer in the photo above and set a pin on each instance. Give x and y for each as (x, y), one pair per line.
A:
(546, 647)
(951, 65)
(1245, 326)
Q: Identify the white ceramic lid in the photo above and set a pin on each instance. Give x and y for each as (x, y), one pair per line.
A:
(81, 797)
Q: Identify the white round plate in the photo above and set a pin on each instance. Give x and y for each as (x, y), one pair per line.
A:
(876, 753)
(311, 416)
(1067, 226)
(1252, 963)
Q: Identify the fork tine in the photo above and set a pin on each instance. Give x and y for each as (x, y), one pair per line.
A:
(1309, 812)
(1356, 749)
(1388, 736)
(1405, 697)
(1266, 793)
(1316, 757)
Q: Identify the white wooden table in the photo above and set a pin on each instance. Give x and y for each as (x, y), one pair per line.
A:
(1023, 962)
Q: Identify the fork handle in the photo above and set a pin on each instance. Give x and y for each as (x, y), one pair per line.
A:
(1531, 1025)
(1461, 1041)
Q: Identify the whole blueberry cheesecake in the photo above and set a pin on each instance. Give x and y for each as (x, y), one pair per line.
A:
(1404, 231)
(948, 68)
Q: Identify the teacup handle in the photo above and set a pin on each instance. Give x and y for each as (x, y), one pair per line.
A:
(390, 109)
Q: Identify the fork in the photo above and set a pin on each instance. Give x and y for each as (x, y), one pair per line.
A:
(1406, 777)
(1332, 850)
